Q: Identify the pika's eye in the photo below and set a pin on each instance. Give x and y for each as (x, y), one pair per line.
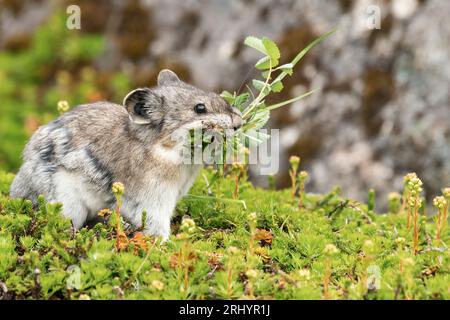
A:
(200, 108)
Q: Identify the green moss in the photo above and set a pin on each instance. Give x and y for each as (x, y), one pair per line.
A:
(42, 257)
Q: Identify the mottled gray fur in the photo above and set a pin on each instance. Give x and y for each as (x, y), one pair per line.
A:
(76, 158)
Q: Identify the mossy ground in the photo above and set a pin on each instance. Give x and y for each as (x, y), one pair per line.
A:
(292, 254)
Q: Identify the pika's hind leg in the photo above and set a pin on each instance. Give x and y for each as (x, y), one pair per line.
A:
(22, 185)
(69, 191)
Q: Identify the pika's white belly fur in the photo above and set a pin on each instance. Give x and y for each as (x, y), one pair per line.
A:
(80, 200)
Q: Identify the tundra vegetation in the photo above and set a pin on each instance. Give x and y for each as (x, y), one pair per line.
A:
(329, 247)
(230, 239)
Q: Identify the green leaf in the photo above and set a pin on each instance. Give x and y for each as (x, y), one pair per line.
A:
(263, 63)
(272, 51)
(241, 99)
(276, 86)
(261, 86)
(281, 104)
(228, 96)
(255, 43)
(288, 68)
(302, 53)
(261, 118)
(258, 84)
(256, 136)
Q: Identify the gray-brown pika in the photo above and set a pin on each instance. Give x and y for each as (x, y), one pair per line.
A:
(75, 159)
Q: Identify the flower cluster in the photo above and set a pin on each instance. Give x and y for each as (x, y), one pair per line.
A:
(440, 202)
(303, 176)
(295, 162)
(394, 202)
(407, 178)
(330, 249)
(414, 185)
(63, 106)
(446, 193)
(118, 188)
(252, 217)
(188, 226)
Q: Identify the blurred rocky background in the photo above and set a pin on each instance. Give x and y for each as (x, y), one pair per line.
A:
(382, 110)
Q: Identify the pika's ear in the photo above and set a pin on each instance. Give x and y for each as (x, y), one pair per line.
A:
(144, 106)
(166, 77)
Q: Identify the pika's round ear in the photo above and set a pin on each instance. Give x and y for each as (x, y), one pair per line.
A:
(166, 77)
(143, 106)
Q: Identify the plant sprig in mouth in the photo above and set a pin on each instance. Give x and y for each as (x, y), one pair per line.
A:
(256, 113)
(253, 107)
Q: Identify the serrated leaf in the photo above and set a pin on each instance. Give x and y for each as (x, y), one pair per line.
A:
(263, 63)
(272, 51)
(277, 86)
(265, 74)
(255, 43)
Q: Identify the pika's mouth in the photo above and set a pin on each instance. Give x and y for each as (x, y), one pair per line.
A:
(214, 127)
(224, 122)
(221, 123)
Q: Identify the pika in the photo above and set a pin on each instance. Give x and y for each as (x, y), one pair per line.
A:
(76, 158)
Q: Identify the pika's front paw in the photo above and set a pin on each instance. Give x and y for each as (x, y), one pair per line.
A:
(163, 233)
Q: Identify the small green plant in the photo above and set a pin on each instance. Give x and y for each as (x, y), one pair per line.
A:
(371, 200)
(414, 185)
(329, 251)
(251, 275)
(406, 196)
(186, 256)
(302, 178)
(230, 286)
(237, 171)
(394, 202)
(295, 162)
(121, 239)
(441, 204)
(252, 220)
(446, 194)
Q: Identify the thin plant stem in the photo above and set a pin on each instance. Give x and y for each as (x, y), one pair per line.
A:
(438, 226)
(416, 231)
